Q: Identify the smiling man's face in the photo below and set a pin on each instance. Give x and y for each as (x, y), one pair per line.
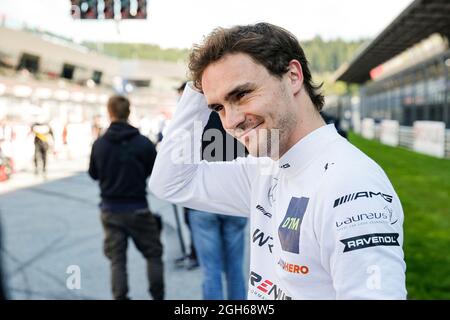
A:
(251, 102)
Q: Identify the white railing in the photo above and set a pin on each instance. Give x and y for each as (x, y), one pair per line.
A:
(406, 137)
(429, 137)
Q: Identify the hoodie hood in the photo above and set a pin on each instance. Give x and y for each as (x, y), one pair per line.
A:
(120, 131)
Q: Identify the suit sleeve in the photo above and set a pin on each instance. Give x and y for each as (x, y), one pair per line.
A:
(361, 232)
(180, 177)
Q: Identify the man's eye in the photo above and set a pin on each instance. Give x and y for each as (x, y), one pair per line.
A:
(242, 94)
(217, 107)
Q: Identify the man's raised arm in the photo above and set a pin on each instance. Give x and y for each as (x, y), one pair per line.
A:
(180, 177)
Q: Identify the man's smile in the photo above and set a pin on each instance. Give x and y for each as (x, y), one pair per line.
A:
(245, 134)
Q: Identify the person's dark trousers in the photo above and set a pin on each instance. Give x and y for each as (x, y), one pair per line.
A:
(193, 253)
(40, 152)
(142, 227)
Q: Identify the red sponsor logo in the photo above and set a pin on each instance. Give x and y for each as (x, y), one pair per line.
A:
(265, 286)
(268, 288)
(293, 268)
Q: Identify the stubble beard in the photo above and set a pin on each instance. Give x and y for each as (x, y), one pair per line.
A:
(286, 124)
(272, 142)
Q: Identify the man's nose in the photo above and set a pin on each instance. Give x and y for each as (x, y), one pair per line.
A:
(233, 117)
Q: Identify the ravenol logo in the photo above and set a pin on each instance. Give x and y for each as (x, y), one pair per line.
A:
(370, 240)
(289, 229)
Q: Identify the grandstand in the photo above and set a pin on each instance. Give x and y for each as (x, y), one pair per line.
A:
(404, 75)
(46, 78)
(42, 60)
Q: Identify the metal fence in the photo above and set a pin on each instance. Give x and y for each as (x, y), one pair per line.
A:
(406, 138)
(447, 144)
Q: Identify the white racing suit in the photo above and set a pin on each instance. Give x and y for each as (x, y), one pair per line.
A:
(325, 221)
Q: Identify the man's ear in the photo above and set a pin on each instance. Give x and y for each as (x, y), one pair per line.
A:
(295, 76)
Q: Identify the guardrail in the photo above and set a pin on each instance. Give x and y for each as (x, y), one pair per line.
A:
(447, 144)
(429, 137)
(406, 137)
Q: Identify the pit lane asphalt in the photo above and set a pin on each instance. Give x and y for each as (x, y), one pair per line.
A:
(53, 223)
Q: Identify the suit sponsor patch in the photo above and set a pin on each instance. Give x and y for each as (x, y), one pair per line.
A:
(370, 240)
(289, 229)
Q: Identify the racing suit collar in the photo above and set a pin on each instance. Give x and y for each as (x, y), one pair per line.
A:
(307, 149)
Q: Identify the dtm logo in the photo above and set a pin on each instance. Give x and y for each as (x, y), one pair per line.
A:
(266, 289)
(370, 240)
(261, 240)
(289, 229)
(361, 194)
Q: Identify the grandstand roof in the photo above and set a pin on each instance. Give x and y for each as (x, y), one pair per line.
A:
(418, 21)
(56, 52)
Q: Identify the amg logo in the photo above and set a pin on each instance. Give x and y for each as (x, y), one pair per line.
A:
(259, 236)
(264, 212)
(361, 194)
(370, 240)
(267, 287)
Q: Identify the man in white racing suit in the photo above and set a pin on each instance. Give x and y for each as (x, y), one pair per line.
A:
(325, 220)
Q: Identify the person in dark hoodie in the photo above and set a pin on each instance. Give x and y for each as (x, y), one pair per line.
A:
(121, 160)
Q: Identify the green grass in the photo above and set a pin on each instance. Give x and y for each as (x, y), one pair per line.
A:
(423, 185)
